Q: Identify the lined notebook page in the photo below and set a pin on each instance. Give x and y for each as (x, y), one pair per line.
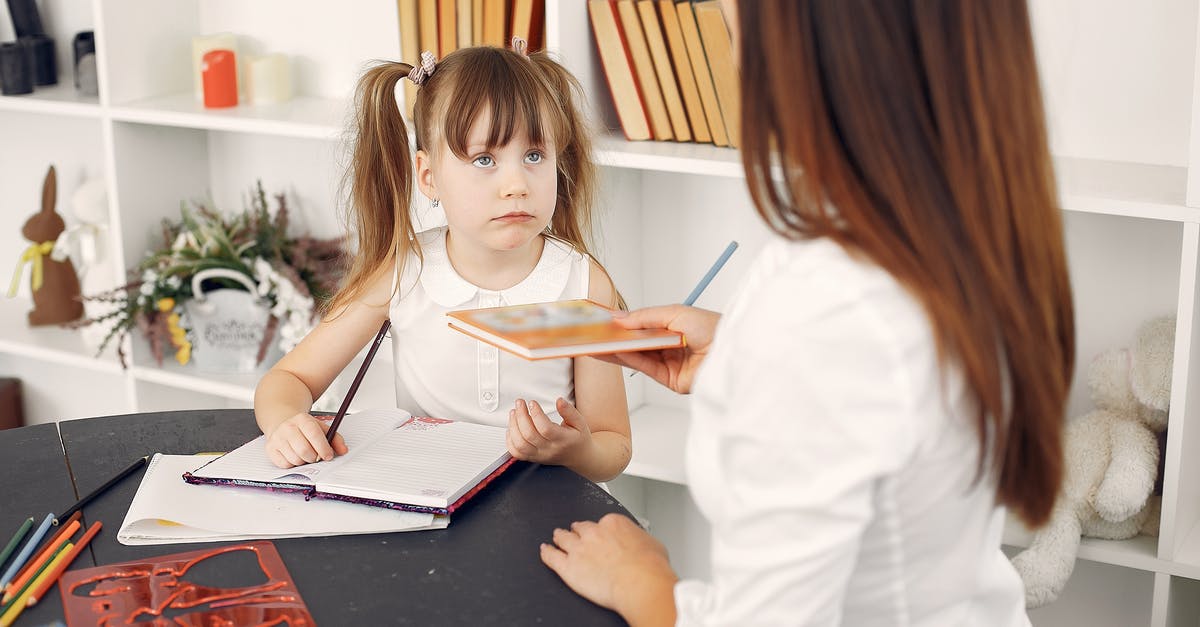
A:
(249, 461)
(425, 462)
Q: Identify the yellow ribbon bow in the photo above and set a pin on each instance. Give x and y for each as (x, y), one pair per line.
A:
(34, 253)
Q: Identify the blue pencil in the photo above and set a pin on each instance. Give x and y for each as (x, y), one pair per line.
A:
(26, 551)
(712, 272)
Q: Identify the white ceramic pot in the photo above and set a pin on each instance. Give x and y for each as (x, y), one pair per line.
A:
(227, 324)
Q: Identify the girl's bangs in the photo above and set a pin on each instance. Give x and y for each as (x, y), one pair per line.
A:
(512, 91)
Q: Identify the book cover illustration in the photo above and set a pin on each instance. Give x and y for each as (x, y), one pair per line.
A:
(206, 587)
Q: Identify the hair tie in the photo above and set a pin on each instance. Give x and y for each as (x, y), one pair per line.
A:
(424, 69)
(520, 45)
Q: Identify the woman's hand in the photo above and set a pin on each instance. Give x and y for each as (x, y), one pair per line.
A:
(673, 367)
(533, 437)
(300, 440)
(615, 564)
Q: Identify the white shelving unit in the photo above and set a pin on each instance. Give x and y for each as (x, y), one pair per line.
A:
(1120, 88)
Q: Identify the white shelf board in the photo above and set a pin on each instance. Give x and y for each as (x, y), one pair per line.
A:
(1139, 190)
(683, 157)
(1139, 552)
(59, 99)
(238, 387)
(1188, 556)
(51, 344)
(658, 442)
(303, 117)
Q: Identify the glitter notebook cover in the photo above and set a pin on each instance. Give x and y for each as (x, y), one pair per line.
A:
(193, 589)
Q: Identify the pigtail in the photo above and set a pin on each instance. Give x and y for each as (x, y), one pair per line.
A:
(380, 180)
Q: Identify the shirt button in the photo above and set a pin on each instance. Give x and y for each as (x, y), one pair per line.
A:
(487, 396)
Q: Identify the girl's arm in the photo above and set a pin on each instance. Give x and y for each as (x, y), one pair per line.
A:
(286, 393)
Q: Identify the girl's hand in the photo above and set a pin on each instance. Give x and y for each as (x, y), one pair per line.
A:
(300, 440)
(617, 565)
(533, 437)
(672, 367)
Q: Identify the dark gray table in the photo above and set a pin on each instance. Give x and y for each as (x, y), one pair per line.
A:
(483, 569)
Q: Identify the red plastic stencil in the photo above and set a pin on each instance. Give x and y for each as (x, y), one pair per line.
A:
(207, 588)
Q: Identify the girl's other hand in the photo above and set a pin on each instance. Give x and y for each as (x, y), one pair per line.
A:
(533, 437)
(300, 440)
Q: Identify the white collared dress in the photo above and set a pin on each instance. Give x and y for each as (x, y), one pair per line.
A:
(443, 373)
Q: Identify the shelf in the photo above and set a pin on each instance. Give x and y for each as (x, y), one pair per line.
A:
(302, 117)
(658, 442)
(60, 99)
(49, 344)
(1139, 552)
(1188, 557)
(1136, 190)
(682, 157)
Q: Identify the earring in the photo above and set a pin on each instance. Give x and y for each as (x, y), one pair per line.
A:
(436, 203)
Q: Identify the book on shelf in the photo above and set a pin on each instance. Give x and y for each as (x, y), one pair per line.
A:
(565, 328)
(528, 21)
(683, 71)
(447, 19)
(476, 22)
(464, 23)
(396, 461)
(618, 69)
(427, 30)
(643, 66)
(168, 510)
(410, 47)
(704, 79)
(495, 23)
(657, 44)
(718, 48)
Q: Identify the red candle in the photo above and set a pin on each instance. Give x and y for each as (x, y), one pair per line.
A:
(219, 72)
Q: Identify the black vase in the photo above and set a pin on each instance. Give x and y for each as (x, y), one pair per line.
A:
(25, 18)
(16, 69)
(45, 63)
(84, 45)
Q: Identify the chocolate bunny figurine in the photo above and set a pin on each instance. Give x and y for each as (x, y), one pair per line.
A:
(54, 284)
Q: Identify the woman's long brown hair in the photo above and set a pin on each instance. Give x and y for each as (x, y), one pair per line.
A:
(912, 132)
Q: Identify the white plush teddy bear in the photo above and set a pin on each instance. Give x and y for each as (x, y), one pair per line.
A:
(1111, 461)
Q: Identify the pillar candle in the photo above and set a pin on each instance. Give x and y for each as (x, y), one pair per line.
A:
(269, 79)
(201, 44)
(16, 69)
(219, 68)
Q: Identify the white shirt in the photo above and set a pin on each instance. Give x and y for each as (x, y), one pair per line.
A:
(443, 373)
(835, 463)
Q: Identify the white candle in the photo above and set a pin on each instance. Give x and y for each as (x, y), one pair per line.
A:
(202, 44)
(269, 79)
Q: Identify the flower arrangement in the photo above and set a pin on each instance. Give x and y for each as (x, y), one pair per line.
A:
(295, 276)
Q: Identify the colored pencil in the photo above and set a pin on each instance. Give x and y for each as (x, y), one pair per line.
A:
(26, 551)
(362, 370)
(16, 540)
(32, 566)
(40, 590)
(54, 541)
(129, 470)
(21, 602)
(712, 272)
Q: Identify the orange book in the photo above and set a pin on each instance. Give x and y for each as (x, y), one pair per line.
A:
(476, 22)
(662, 68)
(427, 30)
(464, 17)
(618, 69)
(528, 19)
(565, 328)
(683, 71)
(704, 79)
(718, 47)
(495, 23)
(410, 48)
(643, 65)
(447, 27)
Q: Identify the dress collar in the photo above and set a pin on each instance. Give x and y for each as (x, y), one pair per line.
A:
(447, 288)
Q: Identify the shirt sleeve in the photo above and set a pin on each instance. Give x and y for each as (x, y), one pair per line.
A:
(816, 412)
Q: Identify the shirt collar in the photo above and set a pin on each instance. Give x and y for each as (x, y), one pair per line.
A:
(447, 288)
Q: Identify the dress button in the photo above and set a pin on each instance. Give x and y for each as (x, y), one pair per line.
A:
(487, 396)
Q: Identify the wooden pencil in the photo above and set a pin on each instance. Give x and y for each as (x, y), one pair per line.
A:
(16, 540)
(32, 567)
(79, 505)
(40, 589)
(12, 611)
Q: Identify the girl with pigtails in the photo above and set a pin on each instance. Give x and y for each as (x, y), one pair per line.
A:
(502, 148)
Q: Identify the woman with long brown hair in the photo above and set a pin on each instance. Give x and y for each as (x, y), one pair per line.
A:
(893, 375)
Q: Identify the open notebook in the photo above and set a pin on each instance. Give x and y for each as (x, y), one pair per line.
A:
(395, 461)
(166, 510)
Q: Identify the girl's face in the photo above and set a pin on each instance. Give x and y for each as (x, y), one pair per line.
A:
(498, 199)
